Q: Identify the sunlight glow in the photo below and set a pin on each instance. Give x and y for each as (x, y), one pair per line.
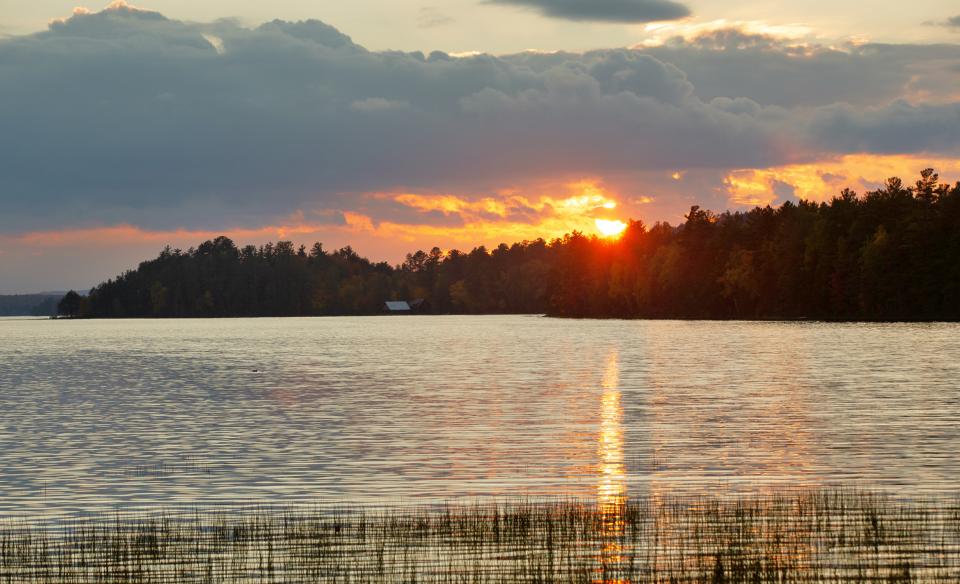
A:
(660, 33)
(543, 211)
(610, 228)
(511, 215)
(824, 179)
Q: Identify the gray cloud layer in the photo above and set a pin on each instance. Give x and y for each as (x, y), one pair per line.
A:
(729, 63)
(124, 115)
(894, 129)
(954, 21)
(624, 11)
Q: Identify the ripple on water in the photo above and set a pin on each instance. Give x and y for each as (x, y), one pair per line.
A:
(102, 414)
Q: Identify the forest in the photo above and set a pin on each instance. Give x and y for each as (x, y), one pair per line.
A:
(43, 304)
(887, 255)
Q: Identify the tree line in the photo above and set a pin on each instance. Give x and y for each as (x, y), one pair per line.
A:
(889, 254)
(44, 304)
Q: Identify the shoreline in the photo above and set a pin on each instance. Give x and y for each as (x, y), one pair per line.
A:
(540, 315)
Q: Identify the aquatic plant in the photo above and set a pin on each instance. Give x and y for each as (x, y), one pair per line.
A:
(819, 536)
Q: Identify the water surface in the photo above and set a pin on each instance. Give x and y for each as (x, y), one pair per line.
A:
(137, 413)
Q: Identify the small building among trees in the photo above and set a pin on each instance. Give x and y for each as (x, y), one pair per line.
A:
(405, 306)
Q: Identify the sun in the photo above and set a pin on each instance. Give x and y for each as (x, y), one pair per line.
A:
(610, 228)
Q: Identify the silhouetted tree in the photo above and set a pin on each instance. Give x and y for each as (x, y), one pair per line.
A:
(70, 304)
(891, 254)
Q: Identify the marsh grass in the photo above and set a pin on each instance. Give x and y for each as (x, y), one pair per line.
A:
(835, 536)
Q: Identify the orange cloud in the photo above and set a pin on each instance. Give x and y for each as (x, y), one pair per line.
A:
(822, 180)
(510, 217)
(453, 205)
(487, 221)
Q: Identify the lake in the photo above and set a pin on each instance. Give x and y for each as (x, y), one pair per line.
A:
(97, 415)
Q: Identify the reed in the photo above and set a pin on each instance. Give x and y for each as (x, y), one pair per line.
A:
(818, 536)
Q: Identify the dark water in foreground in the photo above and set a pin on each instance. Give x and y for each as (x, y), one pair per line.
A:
(98, 414)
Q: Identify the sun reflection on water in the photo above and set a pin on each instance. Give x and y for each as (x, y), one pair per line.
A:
(611, 483)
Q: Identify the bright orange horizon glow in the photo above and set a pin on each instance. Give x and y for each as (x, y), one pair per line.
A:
(610, 228)
(547, 212)
(823, 180)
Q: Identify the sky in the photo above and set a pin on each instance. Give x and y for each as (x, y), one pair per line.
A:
(392, 126)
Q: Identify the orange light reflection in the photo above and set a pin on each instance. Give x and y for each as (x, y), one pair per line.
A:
(611, 485)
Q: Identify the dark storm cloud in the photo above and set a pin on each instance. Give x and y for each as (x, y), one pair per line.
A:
(126, 116)
(624, 11)
(894, 129)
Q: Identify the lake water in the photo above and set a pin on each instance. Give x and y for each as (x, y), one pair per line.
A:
(96, 415)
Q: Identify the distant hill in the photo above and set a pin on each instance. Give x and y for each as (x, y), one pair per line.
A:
(41, 304)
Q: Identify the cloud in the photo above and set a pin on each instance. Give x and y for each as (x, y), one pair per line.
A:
(953, 21)
(126, 117)
(898, 128)
(622, 11)
(772, 70)
(81, 257)
(215, 42)
(821, 180)
(725, 33)
(377, 104)
(487, 220)
(118, 19)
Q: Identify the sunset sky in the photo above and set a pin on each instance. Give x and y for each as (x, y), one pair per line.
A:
(393, 125)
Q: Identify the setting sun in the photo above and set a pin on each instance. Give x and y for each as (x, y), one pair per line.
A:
(608, 228)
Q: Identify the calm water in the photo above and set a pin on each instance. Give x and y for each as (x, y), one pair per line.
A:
(99, 414)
